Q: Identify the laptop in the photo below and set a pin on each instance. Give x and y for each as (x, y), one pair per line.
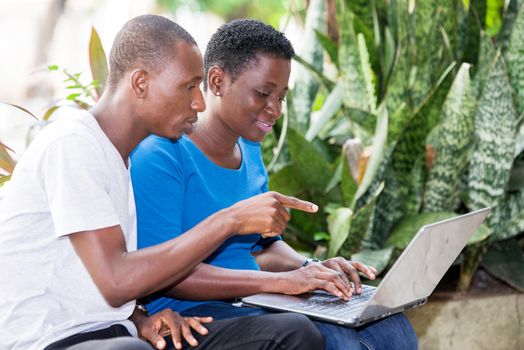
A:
(408, 283)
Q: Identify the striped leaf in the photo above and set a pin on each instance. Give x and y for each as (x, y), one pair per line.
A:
(455, 134)
(487, 54)
(355, 69)
(509, 18)
(515, 61)
(306, 84)
(507, 219)
(495, 124)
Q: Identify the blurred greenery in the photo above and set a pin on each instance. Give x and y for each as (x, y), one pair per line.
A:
(269, 11)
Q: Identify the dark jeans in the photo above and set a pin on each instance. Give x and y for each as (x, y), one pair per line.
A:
(392, 333)
(266, 332)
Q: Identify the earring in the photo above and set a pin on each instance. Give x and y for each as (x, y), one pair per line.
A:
(217, 93)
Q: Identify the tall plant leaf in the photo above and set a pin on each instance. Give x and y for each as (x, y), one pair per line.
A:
(454, 138)
(492, 157)
(515, 61)
(339, 223)
(355, 68)
(377, 153)
(98, 61)
(306, 85)
(329, 109)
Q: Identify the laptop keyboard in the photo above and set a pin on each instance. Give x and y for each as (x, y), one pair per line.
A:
(323, 303)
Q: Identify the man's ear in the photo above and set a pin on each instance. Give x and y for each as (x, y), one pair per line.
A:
(215, 80)
(139, 82)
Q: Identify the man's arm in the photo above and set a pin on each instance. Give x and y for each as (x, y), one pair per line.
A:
(122, 276)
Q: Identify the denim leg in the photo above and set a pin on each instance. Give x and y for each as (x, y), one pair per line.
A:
(335, 337)
(391, 333)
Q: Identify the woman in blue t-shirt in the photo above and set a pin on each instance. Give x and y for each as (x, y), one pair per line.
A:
(177, 184)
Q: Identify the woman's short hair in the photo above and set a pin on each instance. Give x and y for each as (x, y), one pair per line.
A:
(237, 44)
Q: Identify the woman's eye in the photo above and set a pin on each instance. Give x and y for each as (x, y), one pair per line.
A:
(282, 99)
(262, 93)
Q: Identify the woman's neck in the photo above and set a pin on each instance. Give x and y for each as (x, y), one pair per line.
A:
(217, 141)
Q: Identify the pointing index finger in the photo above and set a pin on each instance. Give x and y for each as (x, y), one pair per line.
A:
(295, 203)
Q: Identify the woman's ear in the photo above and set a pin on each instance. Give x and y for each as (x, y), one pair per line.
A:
(139, 82)
(215, 80)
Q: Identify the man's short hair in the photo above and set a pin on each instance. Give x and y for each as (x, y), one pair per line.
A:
(145, 41)
(237, 44)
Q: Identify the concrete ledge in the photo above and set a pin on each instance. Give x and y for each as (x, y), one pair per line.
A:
(471, 322)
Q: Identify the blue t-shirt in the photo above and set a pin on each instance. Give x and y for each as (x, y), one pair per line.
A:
(176, 186)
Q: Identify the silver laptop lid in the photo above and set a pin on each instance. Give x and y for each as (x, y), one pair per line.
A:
(424, 262)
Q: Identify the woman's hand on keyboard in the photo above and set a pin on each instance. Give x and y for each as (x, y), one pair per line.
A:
(312, 277)
(350, 269)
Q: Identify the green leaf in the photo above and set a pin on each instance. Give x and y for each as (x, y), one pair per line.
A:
(285, 181)
(98, 61)
(4, 179)
(359, 227)
(379, 259)
(455, 135)
(49, 112)
(306, 85)
(504, 261)
(348, 185)
(508, 22)
(355, 69)
(495, 124)
(515, 61)
(377, 153)
(487, 54)
(329, 109)
(339, 223)
(52, 67)
(507, 219)
(329, 45)
(311, 168)
(73, 97)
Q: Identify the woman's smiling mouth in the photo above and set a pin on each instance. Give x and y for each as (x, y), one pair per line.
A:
(264, 126)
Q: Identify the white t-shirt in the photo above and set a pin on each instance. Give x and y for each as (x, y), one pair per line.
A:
(70, 179)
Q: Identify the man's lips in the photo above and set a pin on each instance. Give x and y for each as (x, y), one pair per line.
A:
(264, 126)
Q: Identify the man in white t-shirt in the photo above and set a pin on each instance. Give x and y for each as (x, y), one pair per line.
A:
(69, 269)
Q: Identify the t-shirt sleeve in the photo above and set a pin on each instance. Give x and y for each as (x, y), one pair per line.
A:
(75, 182)
(159, 191)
